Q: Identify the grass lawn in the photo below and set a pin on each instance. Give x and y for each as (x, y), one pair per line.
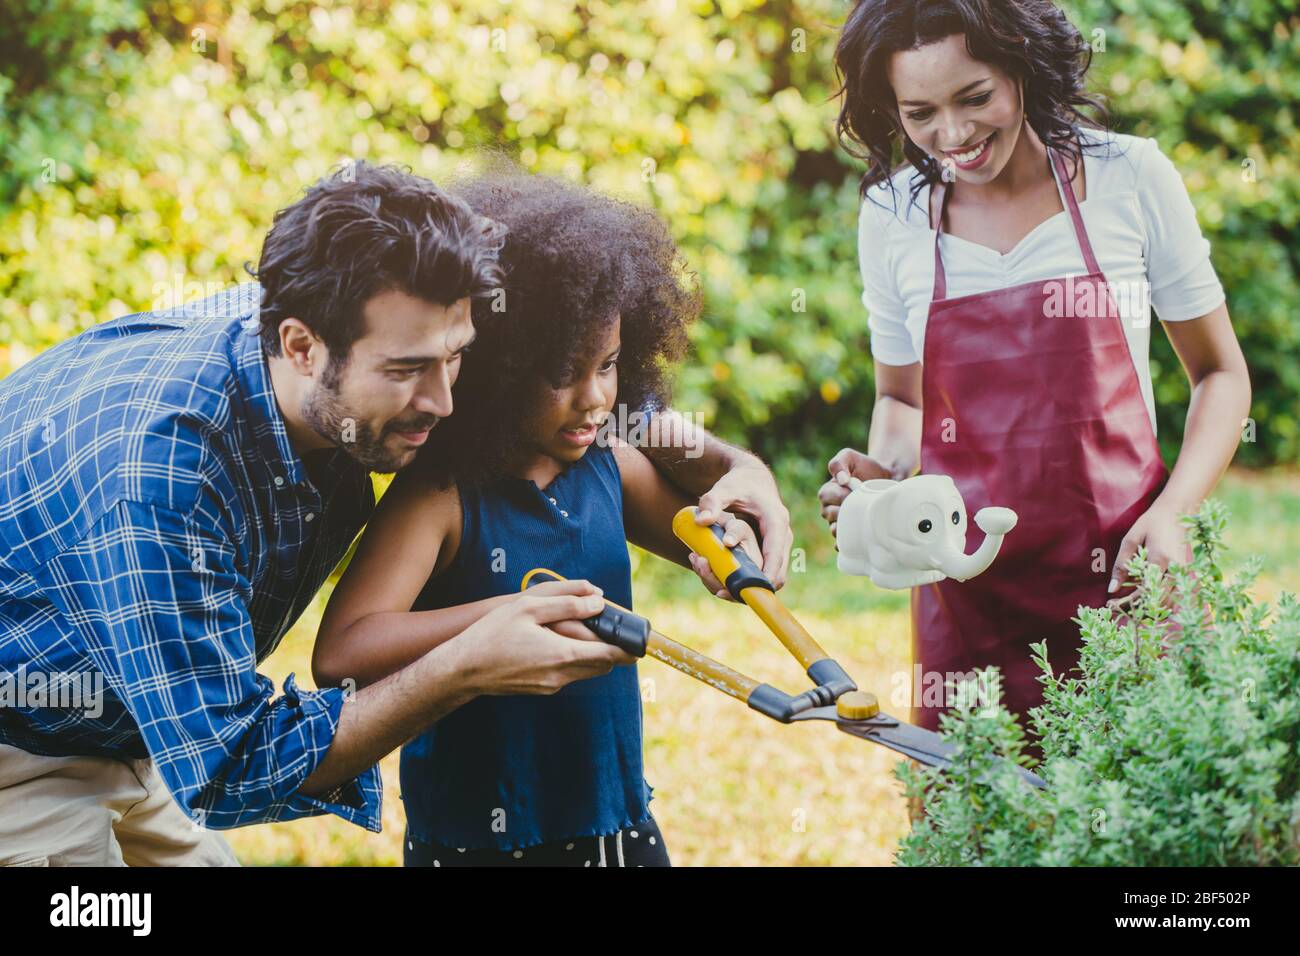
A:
(733, 787)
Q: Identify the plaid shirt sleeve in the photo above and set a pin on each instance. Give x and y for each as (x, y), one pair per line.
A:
(163, 610)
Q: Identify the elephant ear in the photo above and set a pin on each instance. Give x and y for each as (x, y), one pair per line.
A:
(899, 515)
(952, 497)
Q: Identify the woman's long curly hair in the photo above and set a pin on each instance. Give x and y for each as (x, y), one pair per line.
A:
(573, 260)
(1030, 40)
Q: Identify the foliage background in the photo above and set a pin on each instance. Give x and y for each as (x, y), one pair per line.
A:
(145, 145)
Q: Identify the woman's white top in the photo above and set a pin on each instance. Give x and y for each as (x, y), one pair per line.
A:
(1138, 216)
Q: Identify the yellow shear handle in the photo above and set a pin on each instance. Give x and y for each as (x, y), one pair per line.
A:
(741, 576)
(703, 541)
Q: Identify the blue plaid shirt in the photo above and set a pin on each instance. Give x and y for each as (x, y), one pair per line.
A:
(156, 527)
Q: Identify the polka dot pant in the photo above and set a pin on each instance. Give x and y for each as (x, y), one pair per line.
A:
(638, 845)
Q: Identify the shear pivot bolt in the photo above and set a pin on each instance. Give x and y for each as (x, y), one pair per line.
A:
(857, 705)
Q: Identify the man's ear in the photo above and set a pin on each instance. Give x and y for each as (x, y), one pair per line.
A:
(300, 346)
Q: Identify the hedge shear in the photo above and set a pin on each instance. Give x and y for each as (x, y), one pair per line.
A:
(834, 696)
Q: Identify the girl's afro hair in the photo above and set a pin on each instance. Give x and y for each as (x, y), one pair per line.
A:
(573, 259)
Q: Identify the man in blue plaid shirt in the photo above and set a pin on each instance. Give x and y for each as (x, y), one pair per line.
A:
(174, 488)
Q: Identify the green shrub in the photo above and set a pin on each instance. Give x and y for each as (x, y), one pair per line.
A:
(1175, 743)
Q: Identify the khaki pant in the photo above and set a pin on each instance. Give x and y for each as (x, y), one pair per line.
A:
(96, 811)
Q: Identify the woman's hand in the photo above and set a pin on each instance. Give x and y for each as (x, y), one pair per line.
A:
(736, 532)
(846, 464)
(1161, 530)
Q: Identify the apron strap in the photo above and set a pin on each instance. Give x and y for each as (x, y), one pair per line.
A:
(940, 280)
(1066, 190)
(1076, 217)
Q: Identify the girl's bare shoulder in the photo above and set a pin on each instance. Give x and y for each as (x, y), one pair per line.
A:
(414, 500)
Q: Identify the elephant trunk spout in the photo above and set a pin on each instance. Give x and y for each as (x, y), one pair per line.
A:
(995, 523)
(962, 567)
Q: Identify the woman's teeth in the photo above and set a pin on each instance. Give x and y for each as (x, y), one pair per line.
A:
(971, 154)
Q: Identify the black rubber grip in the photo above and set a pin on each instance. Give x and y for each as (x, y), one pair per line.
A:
(614, 625)
(627, 631)
(772, 701)
(830, 675)
(779, 705)
(748, 575)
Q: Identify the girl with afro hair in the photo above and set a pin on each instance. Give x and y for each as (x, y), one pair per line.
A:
(527, 472)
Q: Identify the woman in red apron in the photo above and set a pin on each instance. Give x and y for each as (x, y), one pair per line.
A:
(1022, 406)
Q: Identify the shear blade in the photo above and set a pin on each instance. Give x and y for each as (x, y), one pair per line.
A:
(924, 746)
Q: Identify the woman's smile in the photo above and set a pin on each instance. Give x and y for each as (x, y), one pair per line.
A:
(974, 157)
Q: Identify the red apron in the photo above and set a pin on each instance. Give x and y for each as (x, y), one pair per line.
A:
(1041, 413)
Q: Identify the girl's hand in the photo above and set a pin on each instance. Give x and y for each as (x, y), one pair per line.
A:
(737, 532)
(1162, 531)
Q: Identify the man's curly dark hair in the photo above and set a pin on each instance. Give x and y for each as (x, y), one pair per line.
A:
(361, 231)
(573, 260)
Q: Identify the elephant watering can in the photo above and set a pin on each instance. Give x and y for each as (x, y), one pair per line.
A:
(912, 532)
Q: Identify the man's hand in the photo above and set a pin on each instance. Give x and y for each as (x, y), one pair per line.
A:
(751, 490)
(515, 649)
(847, 463)
(571, 629)
(728, 479)
(736, 532)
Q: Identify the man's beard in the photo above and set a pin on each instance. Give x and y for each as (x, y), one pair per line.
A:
(325, 413)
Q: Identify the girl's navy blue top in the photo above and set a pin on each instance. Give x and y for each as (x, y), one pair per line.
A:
(511, 772)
